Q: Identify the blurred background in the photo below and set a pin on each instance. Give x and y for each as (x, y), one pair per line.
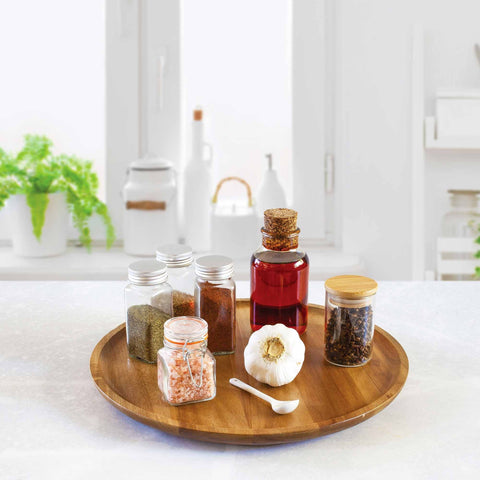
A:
(369, 109)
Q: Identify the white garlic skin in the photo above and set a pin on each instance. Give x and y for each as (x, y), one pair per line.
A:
(279, 371)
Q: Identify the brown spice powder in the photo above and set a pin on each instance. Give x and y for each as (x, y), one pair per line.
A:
(183, 304)
(217, 308)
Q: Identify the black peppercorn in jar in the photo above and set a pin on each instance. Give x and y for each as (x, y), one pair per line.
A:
(349, 326)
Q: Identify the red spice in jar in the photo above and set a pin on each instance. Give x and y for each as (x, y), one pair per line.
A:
(217, 308)
(215, 301)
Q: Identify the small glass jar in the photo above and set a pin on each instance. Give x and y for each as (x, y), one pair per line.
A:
(148, 305)
(463, 218)
(215, 301)
(349, 327)
(461, 221)
(181, 276)
(186, 368)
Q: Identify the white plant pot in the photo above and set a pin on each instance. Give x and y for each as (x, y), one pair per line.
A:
(54, 233)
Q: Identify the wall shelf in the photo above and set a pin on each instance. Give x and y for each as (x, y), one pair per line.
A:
(459, 143)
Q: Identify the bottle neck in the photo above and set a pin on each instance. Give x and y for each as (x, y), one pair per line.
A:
(280, 243)
(197, 141)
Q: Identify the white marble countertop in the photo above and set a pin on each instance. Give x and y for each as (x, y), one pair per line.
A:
(55, 425)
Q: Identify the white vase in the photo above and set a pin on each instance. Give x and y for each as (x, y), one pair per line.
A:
(53, 240)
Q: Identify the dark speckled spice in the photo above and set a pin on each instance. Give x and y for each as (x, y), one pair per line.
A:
(349, 334)
(145, 331)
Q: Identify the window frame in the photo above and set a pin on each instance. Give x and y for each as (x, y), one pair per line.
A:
(140, 33)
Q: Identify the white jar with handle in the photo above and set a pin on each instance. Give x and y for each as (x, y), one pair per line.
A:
(234, 226)
(150, 206)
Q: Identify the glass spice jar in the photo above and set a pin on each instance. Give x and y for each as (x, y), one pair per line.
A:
(279, 274)
(145, 314)
(349, 326)
(186, 368)
(181, 276)
(215, 301)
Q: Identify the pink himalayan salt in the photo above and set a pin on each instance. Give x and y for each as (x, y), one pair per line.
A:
(180, 388)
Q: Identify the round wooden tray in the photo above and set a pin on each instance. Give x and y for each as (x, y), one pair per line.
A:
(331, 398)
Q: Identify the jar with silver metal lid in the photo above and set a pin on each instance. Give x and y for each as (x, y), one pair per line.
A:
(181, 276)
(215, 301)
(186, 368)
(148, 305)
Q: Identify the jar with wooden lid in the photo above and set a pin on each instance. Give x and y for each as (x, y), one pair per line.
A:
(181, 276)
(148, 305)
(186, 368)
(215, 296)
(349, 325)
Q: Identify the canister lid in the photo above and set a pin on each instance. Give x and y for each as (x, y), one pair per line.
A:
(185, 329)
(175, 255)
(463, 192)
(151, 164)
(147, 272)
(214, 267)
(351, 286)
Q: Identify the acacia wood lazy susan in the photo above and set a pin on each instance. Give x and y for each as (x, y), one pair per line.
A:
(331, 398)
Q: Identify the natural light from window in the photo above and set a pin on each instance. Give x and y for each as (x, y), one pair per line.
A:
(52, 78)
(236, 61)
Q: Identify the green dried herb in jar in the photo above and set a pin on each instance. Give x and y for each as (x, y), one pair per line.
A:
(145, 315)
(145, 333)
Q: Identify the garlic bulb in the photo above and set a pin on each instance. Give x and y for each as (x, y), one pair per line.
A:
(274, 354)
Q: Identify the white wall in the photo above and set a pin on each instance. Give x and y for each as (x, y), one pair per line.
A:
(52, 75)
(373, 122)
(449, 63)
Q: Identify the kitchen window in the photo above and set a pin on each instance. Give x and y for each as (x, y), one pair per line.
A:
(257, 68)
(52, 78)
(115, 80)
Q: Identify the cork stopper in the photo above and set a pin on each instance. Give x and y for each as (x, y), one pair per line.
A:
(280, 230)
(197, 115)
(280, 221)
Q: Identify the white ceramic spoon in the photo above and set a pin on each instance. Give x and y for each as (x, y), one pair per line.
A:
(278, 406)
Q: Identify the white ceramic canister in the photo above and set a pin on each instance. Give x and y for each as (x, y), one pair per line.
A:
(150, 206)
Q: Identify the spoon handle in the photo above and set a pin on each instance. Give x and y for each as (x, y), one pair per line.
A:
(248, 388)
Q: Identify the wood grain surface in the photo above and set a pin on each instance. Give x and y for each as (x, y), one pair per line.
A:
(351, 286)
(331, 398)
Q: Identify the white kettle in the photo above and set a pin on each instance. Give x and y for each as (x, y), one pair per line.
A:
(150, 206)
(234, 227)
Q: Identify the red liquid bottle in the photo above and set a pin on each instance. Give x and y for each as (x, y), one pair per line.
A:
(279, 274)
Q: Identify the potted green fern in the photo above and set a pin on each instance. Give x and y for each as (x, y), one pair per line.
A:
(40, 189)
